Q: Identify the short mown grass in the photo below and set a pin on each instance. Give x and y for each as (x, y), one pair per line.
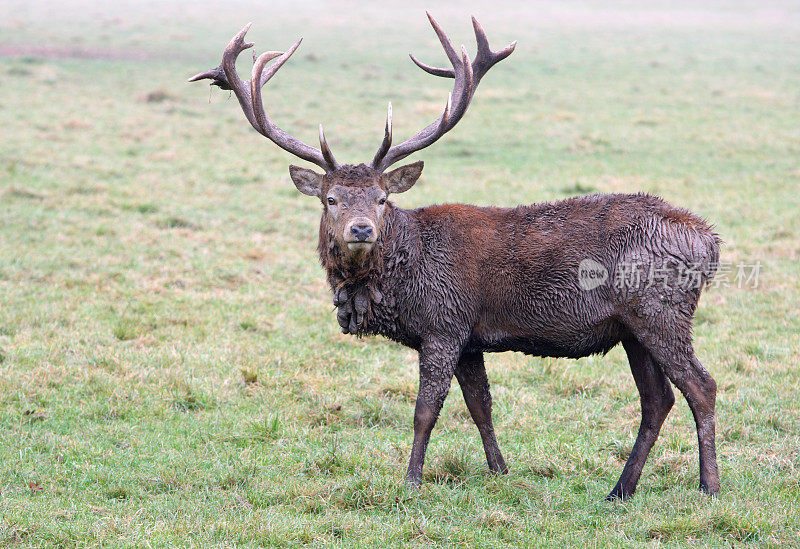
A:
(171, 371)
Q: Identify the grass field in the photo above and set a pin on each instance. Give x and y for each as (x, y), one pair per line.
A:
(171, 370)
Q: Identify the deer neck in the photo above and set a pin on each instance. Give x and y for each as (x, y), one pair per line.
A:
(373, 289)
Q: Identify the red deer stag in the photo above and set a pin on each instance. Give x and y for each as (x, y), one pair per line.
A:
(455, 281)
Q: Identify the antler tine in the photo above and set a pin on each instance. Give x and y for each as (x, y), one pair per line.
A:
(262, 122)
(435, 71)
(447, 108)
(484, 59)
(225, 75)
(326, 151)
(249, 95)
(466, 80)
(240, 88)
(272, 69)
(257, 80)
(216, 75)
(445, 41)
(387, 138)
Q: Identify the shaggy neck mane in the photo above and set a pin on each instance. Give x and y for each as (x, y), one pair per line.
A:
(364, 291)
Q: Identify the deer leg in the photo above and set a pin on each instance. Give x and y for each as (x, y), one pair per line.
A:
(436, 368)
(471, 375)
(700, 390)
(656, 398)
(678, 361)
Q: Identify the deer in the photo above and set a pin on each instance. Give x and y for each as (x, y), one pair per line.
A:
(456, 281)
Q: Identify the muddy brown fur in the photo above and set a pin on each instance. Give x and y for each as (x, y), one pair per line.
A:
(455, 281)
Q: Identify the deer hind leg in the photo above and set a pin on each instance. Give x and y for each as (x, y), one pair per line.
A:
(673, 353)
(656, 398)
(471, 375)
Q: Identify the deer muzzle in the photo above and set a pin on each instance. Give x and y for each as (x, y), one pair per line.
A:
(360, 234)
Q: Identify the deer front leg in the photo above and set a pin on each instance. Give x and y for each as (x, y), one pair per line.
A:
(471, 375)
(436, 366)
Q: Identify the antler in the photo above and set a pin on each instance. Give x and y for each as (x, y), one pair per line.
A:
(466, 75)
(249, 95)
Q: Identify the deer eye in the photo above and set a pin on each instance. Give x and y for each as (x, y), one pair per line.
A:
(331, 201)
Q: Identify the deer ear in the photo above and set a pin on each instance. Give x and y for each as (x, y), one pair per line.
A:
(307, 181)
(404, 177)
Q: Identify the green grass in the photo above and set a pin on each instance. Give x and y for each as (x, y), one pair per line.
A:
(171, 371)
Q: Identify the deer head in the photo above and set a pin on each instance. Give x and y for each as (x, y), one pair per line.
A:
(354, 198)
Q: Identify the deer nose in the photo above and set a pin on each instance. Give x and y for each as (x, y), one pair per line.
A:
(361, 232)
